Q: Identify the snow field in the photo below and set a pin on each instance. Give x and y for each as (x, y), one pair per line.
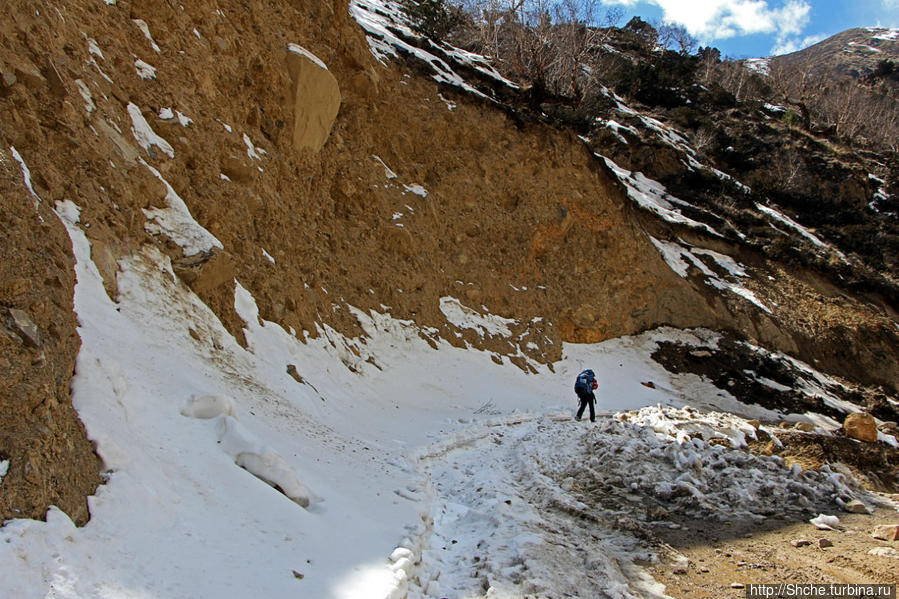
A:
(227, 476)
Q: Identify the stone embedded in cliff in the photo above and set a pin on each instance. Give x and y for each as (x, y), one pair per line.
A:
(861, 426)
(25, 327)
(315, 96)
(205, 272)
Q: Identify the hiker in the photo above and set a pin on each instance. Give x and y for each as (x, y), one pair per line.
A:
(584, 386)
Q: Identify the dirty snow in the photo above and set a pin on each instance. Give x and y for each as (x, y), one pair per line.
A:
(26, 176)
(144, 134)
(679, 257)
(758, 65)
(145, 29)
(651, 195)
(781, 217)
(176, 222)
(144, 70)
(468, 318)
(86, 95)
(386, 25)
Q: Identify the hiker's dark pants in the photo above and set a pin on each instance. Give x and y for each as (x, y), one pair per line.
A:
(587, 398)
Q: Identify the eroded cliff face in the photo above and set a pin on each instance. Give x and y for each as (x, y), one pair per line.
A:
(321, 179)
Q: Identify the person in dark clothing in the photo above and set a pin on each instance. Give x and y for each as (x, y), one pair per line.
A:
(584, 386)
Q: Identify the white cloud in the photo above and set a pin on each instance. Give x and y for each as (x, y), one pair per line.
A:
(793, 44)
(721, 19)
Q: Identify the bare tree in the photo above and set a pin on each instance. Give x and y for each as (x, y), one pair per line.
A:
(673, 35)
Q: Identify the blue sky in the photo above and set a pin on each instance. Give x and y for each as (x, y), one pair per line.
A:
(755, 28)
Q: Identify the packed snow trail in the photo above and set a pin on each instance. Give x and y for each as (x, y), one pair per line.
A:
(546, 506)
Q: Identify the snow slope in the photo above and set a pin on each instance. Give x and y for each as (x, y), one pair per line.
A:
(341, 467)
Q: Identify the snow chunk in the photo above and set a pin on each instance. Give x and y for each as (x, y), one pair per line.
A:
(177, 223)
(4, 468)
(144, 70)
(208, 406)
(268, 256)
(262, 461)
(94, 49)
(142, 25)
(417, 190)
(252, 151)
(468, 318)
(298, 49)
(144, 134)
(825, 522)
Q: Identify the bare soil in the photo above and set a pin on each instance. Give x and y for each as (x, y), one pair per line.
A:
(743, 553)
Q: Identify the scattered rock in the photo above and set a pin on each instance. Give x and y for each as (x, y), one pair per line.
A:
(22, 323)
(754, 424)
(861, 426)
(292, 371)
(800, 542)
(649, 384)
(297, 575)
(700, 353)
(824, 542)
(856, 507)
(806, 427)
(886, 532)
(720, 441)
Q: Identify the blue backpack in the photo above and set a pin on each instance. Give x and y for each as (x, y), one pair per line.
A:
(584, 381)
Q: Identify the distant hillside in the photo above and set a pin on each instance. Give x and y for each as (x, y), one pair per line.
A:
(854, 52)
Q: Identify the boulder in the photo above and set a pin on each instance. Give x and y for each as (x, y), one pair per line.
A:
(856, 507)
(884, 552)
(824, 542)
(315, 98)
(886, 532)
(861, 426)
(805, 427)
